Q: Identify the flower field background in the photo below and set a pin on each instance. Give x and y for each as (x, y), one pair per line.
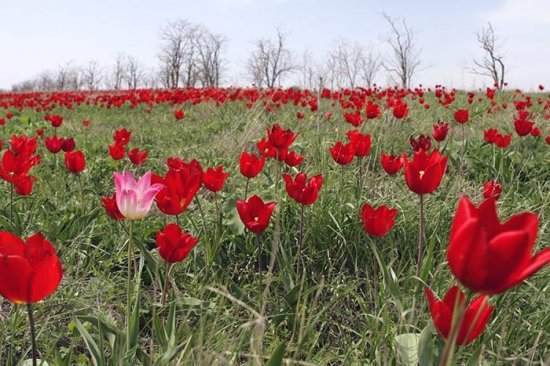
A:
(329, 286)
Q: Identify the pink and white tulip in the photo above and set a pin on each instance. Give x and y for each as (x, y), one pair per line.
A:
(134, 198)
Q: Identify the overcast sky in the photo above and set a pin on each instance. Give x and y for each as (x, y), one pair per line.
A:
(38, 35)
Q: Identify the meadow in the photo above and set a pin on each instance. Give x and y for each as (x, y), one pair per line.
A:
(328, 292)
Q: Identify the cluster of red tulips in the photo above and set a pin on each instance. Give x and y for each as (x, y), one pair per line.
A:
(486, 257)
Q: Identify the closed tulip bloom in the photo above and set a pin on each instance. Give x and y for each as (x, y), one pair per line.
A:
(377, 222)
(68, 144)
(547, 139)
(440, 131)
(400, 110)
(475, 318)
(462, 115)
(488, 256)
(342, 154)
(361, 143)
(117, 151)
(391, 164)
(251, 165)
(54, 144)
(173, 244)
(179, 114)
(489, 135)
(75, 161)
(302, 191)
(492, 189)
(372, 110)
(255, 214)
(23, 185)
(213, 179)
(29, 271)
(134, 198)
(424, 173)
(523, 127)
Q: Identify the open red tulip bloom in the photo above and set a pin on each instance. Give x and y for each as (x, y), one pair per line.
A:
(490, 257)
(424, 173)
(29, 271)
(255, 214)
(475, 317)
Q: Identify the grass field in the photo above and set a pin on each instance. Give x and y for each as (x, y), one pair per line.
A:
(355, 293)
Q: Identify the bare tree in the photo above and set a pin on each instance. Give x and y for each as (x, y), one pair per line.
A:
(491, 64)
(177, 55)
(117, 75)
(91, 76)
(369, 67)
(134, 73)
(403, 60)
(68, 77)
(209, 49)
(46, 81)
(270, 61)
(309, 71)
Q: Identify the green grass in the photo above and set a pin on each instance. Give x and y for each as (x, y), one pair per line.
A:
(349, 310)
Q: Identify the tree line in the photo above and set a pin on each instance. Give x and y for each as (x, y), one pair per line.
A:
(190, 55)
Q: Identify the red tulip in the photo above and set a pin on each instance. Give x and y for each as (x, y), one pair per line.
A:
(492, 189)
(361, 143)
(523, 127)
(180, 186)
(29, 271)
(23, 184)
(117, 151)
(300, 190)
(68, 144)
(474, 320)
(14, 166)
(440, 131)
(255, 214)
(377, 222)
(489, 135)
(400, 110)
(502, 141)
(54, 144)
(424, 173)
(391, 164)
(137, 157)
(422, 142)
(536, 132)
(462, 115)
(353, 119)
(75, 161)
(547, 139)
(213, 179)
(179, 114)
(174, 245)
(342, 154)
(489, 257)
(293, 159)
(110, 206)
(54, 119)
(279, 138)
(250, 165)
(86, 123)
(122, 136)
(372, 110)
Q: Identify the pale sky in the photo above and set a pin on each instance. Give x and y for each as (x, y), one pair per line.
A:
(38, 35)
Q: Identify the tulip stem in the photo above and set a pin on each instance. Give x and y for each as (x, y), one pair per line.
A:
(202, 213)
(11, 204)
(81, 194)
(420, 237)
(246, 189)
(259, 246)
(33, 335)
(300, 240)
(456, 324)
(165, 288)
(463, 147)
(129, 284)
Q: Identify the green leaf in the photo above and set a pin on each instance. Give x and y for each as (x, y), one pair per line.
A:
(406, 346)
(95, 352)
(277, 355)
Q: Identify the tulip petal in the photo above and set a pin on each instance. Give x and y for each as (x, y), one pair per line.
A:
(11, 245)
(15, 273)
